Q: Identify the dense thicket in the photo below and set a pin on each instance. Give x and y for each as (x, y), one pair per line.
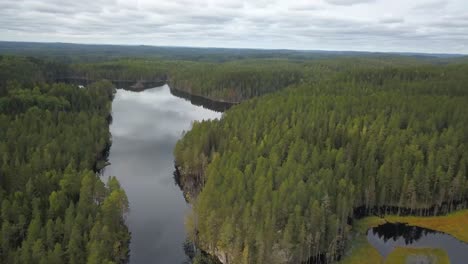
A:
(283, 173)
(130, 69)
(231, 81)
(54, 207)
(27, 71)
(235, 81)
(232, 78)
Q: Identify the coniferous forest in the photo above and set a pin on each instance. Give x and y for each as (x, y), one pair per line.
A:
(312, 144)
(54, 206)
(284, 175)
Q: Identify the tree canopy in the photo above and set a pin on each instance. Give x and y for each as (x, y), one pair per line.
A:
(54, 206)
(284, 174)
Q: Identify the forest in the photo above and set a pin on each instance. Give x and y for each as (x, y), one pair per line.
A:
(284, 175)
(89, 53)
(53, 139)
(316, 142)
(234, 80)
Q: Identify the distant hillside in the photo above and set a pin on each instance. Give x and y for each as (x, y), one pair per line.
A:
(93, 52)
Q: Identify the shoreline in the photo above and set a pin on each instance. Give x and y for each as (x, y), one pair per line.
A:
(218, 105)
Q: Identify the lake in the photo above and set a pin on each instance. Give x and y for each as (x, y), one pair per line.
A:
(385, 238)
(145, 128)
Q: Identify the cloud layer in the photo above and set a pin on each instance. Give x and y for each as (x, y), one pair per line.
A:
(373, 25)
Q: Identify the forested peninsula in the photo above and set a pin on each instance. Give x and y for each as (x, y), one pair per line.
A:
(283, 176)
(53, 141)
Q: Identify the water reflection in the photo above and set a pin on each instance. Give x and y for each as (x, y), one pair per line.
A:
(385, 238)
(409, 234)
(202, 101)
(145, 128)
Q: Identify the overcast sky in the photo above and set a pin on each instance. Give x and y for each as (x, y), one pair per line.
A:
(371, 25)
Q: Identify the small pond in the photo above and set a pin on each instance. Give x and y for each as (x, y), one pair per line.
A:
(385, 238)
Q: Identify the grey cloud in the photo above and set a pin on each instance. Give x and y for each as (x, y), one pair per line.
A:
(330, 24)
(232, 4)
(7, 5)
(70, 7)
(452, 22)
(392, 20)
(41, 7)
(208, 19)
(431, 6)
(304, 6)
(348, 2)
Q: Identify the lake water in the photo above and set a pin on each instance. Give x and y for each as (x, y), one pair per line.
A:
(385, 238)
(146, 126)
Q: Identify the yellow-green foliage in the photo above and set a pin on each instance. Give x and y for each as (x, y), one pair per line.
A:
(455, 224)
(362, 251)
(364, 224)
(417, 255)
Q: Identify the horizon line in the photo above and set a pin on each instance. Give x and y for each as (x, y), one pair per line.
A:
(243, 48)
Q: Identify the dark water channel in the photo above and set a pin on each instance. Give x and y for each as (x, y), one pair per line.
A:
(146, 126)
(385, 238)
